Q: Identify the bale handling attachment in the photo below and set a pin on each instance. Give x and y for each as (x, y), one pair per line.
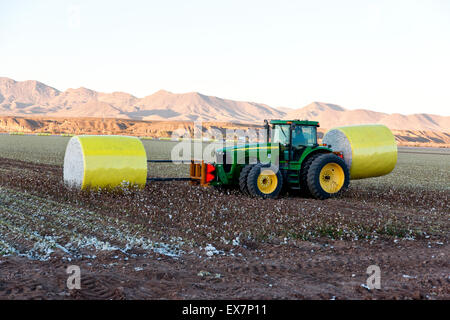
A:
(200, 172)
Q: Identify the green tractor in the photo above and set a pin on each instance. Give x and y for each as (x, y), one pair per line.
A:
(290, 159)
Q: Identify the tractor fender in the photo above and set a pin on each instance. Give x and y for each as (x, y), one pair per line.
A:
(309, 153)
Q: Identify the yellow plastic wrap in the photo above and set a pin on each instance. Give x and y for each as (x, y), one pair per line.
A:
(107, 162)
(369, 150)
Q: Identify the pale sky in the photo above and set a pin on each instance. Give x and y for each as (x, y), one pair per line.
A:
(388, 56)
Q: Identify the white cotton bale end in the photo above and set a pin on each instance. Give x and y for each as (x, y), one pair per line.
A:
(105, 162)
(368, 150)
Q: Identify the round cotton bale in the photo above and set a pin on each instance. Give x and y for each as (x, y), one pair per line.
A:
(368, 150)
(105, 162)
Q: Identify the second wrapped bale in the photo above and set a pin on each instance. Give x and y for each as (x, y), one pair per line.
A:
(105, 162)
(368, 150)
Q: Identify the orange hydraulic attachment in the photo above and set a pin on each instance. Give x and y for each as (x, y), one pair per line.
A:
(201, 172)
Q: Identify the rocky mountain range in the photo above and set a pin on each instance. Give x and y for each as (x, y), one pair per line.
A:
(35, 99)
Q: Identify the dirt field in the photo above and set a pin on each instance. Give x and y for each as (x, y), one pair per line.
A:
(177, 241)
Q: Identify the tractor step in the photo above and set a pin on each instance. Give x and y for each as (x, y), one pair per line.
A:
(293, 179)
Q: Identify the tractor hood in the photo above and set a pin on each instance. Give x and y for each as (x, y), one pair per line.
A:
(238, 154)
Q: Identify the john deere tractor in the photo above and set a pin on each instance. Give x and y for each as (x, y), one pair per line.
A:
(290, 159)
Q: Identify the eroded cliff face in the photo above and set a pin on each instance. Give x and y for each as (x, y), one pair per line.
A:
(167, 128)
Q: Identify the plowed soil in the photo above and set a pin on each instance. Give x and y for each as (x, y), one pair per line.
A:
(178, 241)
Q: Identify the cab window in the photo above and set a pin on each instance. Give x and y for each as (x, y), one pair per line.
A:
(304, 136)
(280, 134)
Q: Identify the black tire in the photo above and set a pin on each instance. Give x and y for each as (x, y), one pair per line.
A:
(243, 179)
(252, 182)
(314, 178)
(304, 190)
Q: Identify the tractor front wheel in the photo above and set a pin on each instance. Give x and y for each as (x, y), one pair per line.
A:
(328, 176)
(264, 181)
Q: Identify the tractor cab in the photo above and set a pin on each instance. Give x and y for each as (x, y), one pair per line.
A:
(293, 136)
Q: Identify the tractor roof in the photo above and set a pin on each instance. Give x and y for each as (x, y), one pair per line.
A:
(301, 122)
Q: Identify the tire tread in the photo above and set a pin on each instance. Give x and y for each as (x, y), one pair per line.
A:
(312, 175)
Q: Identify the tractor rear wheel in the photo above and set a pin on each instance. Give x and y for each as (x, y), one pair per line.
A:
(328, 176)
(264, 181)
(304, 190)
(243, 178)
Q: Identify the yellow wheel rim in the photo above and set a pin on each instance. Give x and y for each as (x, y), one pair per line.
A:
(332, 177)
(267, 181)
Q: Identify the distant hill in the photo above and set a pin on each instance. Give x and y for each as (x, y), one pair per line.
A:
(285, 109)
(331, 115)
(35, 99)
